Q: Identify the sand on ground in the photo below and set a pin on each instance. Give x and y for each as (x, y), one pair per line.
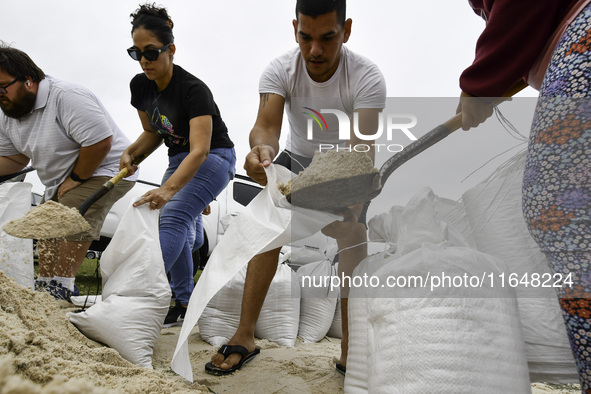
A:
(304, 368)
(42, 352)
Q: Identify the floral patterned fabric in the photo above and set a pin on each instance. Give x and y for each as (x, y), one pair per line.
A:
(557, 182)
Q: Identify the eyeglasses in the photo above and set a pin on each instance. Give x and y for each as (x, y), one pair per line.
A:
(150, 54)
(3, 88)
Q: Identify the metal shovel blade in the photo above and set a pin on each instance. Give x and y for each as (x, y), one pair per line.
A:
(338, 193)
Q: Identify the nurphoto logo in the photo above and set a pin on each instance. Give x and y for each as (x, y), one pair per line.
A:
(392, 124)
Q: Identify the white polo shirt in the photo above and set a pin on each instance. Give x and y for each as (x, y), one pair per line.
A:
(65, 118)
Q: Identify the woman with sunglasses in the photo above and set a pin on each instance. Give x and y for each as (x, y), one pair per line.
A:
(178, 109)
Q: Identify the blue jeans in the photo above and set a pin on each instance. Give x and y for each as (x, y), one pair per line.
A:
(180, 218)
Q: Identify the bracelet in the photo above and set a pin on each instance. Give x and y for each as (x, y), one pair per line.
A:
(76, 178)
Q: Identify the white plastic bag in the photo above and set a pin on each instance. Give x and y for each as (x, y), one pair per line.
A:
(356, 379)
(16, 254)
(318, 300)
(280, 314)
(310, 250)
(457, 344)
(219, 320)
(336, 327)
(412, 339)
(498, 228)
(279, 317)
(268, 222)
(136, 294)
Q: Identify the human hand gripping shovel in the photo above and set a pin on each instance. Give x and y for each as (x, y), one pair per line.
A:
(335, 194)
(54, 220)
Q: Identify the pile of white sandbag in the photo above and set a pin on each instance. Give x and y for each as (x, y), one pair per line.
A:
(293, 307)
(279, 317)
(465, 340)
(414, 338)
(290, 309)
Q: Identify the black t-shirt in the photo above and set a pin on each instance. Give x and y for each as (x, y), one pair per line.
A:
(170, 110)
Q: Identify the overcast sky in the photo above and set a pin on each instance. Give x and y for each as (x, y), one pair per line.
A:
(420, 46)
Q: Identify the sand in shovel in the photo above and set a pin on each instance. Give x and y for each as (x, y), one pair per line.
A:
(48, 220)
(330, 166)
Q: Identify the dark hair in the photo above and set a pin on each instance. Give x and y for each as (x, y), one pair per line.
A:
(156, 20)
(316, 8)
(18, 64)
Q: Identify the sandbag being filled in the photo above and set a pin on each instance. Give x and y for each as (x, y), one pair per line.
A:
(267, 223)
(135, 295)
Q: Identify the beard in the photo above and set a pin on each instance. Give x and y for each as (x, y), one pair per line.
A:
(21, 106)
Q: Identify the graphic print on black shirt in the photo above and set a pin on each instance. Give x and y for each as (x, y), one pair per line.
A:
(165, 128)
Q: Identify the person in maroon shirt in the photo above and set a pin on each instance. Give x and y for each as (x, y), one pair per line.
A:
(515, 35)
(525, 40)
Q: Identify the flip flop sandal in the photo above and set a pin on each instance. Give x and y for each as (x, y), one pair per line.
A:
(225, 351)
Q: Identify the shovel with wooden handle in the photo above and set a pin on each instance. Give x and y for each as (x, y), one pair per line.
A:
(340, 193)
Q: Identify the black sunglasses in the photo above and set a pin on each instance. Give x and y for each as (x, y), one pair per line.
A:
(150, 54)
(3, 88)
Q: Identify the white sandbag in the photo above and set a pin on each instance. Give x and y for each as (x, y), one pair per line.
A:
(268, 222)
(494, 210)
(384, 227)
(454, 344)
(219, 320)
(457, 339)
(356, 379)
(462, 343)
(310, 250)
(318, 300)
(546, 343)
(444, 219)
(136, 294)
(16, 254)
(336, 327)
(280, 315)
(277, 321)
(424, 219)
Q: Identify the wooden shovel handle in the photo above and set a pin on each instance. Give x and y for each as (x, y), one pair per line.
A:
(431, 138)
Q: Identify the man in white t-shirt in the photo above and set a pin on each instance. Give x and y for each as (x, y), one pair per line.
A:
(319, 74)
(75, 146)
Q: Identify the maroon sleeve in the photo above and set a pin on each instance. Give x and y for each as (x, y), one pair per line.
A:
(515, 35)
